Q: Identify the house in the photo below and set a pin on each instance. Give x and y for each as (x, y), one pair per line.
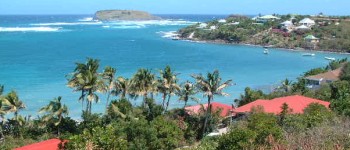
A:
(307, 22)
(222, 21)
(302, 27)
(327, 77)
(52, 144)
(311, 39)
(215, 106)
(213, 27)
(296, 105)
(288, 25)
(266, 18)
(202, 25)
(234, 23)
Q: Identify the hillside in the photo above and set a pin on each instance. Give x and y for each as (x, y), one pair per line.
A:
(282, 31)
(115, 15)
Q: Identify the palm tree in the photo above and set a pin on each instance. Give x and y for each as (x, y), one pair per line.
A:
(86, 79)
(143, 83)
(11, 103)
(108, 74)
(55, 110)
(187, 92)
(1, 89)
(122, 87)
(167, 84)
(286, 85)
(210, 86)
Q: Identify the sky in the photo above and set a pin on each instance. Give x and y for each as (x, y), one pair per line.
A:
(248, 7)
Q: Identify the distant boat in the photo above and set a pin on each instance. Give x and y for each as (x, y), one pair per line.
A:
(308, 54)
(266, 51)
(329, 58)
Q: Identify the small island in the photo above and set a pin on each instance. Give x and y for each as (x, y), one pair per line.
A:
(117, 15)
(316, 32)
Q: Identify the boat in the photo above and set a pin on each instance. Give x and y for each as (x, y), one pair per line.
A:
(266, 51)
(308, 54)
(329, 58)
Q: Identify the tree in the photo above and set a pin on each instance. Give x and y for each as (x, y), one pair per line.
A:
(345, 72)
(249, 96)
(122, 87)
(12, 103)
(167, 84)
(210, 86)
(187, 92)
(286, 85)
(108, 74)
(86, 79)
(143, 83)
(55, 111)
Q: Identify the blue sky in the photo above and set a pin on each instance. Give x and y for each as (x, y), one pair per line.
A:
(332, 7)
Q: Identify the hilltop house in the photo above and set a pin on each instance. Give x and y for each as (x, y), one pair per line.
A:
(316, 80)
(266, 18)
(288, 25)
(311, 39)
(302, 27)
(307, 22)
(202, 25)
(296, 105)
(215, 106)
(52, 144)
(222, 21)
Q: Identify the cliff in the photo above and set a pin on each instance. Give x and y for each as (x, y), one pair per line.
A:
(115, 15)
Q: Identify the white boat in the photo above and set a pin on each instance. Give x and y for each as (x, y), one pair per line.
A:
(329, 58)
(308, 54)
(266, 51)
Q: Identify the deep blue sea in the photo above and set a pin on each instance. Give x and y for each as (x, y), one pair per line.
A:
(36, 52)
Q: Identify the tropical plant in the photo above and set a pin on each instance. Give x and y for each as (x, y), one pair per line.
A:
(187, 92)
(86, 79)
(122, 87)
(167, 84)
(55, 111)
(210, 86)
(143, 83)
(108, 75)
(12, 103)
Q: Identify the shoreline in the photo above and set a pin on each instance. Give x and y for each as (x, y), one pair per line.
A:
(254, 45)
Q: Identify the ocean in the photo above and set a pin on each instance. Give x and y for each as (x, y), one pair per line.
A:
(37, 52)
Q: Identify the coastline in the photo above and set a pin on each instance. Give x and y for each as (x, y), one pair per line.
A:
(255, 45)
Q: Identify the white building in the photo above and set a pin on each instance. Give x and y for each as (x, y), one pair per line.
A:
(222, 21)
(303, 27)
(267, 18)
(202, 25)
(213, 28)
(307, 22)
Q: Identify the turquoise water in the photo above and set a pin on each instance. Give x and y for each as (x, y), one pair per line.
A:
(36, 52)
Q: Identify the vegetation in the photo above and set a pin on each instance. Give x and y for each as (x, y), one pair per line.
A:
(333, 32)
(151, 126)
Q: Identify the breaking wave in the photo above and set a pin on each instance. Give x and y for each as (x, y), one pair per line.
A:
(168, 34)
(87, 19)
(67, 23)
(29, 29)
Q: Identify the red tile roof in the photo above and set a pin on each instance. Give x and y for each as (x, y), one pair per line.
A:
(296, 103)
(225, 109)
(51, 144)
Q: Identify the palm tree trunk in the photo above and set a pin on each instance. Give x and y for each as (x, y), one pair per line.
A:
(82, 101)
(109, 94)
(208, 111)
(167, 103)
(163, 97)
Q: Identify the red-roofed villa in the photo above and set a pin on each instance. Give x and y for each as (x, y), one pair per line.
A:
(296, 104)
(52, 144)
